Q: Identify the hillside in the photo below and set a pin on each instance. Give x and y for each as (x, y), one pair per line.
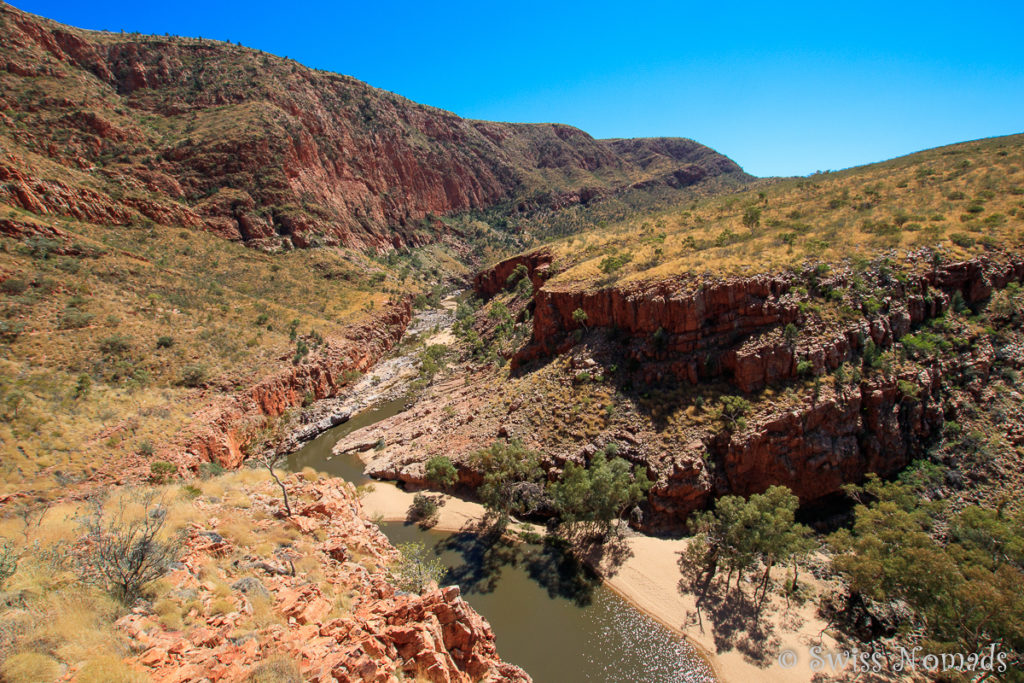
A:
(202, 134)
(808, 347)
(210, 256)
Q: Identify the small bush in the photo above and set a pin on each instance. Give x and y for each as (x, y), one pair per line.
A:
(124, 550)
(115, 345)
(161, 470)
(910, 391)
(13, 285)
(73, 319)
(164, 342)
(193, 376)
(962, 240)
(8, 561)
(423, 507)
(610, 264)
(82, 386)
(30, 667)
(278, 670)
(415, 569)
(210, 469)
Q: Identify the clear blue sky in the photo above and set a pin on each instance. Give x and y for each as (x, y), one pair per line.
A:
(782, 90)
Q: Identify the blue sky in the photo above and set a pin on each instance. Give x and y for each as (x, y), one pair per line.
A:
(784, 90)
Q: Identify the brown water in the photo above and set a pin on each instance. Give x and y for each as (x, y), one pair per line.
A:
(550, 614)
(317, 453)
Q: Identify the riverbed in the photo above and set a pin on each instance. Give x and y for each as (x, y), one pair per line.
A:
(551, 614)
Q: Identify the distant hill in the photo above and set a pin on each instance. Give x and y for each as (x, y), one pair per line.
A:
(117, 127)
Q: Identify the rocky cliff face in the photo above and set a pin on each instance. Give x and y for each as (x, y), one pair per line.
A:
(221, 431)
(733, 332)
(114, 128)
(732, 329)
(381, 634)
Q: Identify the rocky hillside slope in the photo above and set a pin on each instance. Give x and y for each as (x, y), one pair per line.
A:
(252, 594)
(116, 127)
(875, 304)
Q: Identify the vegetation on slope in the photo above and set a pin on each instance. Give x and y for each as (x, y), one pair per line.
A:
(959, 200)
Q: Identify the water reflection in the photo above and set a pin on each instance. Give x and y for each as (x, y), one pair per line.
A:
(551, 614)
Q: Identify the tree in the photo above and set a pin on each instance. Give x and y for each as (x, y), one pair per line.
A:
(517, 274)
(8, 560)
(966, 591)
(752, 217)
(739, 533)
(579, 316)
(731, 409)
(599, 494)
(415, 570)
(269, 459)
(440, 471)
(511, 476)
(424, 507)
(790, 333)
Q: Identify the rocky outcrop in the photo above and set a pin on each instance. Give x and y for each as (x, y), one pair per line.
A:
(733, 331)
(490, 281)
(732, 328)
(815, 449)
(383, 634)
(279, 155)
(220, 431)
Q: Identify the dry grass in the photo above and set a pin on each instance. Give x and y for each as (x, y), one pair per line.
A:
(97, 370)
(961, 199)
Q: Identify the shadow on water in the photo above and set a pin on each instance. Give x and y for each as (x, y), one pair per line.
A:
(484, 557)
(550, 614)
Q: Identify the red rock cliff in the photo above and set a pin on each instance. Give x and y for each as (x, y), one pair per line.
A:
(258, 148)
(220, 431)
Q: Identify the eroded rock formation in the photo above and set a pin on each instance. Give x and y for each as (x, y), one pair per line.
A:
(220, 431)
(383, 634)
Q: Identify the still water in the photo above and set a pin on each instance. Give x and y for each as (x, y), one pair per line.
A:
(550, 614)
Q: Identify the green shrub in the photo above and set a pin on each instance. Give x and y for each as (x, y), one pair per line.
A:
(13, 285)
(208, 470)
(161, 470)
(925, 344)
(440, 471)
(732, 409)
(610, 264)
(115, 345)
(415, 568)
(423, 507)
(516, 275)
(910, 391)
(164, 342)
(962, 240)
(72, 319)
(193, 375)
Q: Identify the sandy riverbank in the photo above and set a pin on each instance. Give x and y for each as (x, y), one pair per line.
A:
(648, 577)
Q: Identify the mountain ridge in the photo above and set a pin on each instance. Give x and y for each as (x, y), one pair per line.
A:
(259, 148)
